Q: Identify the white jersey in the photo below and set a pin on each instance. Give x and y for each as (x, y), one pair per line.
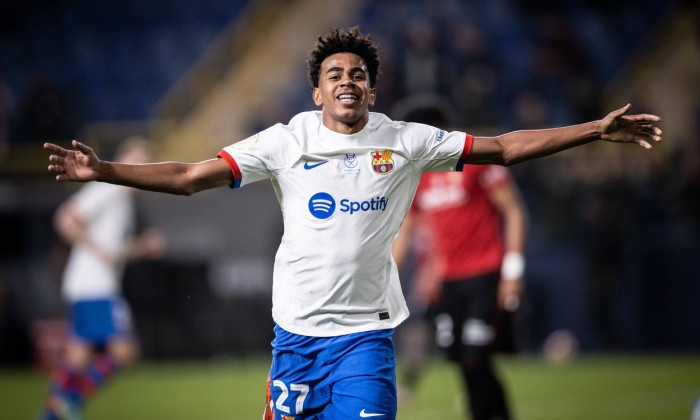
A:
(108, 213)
(343, 199)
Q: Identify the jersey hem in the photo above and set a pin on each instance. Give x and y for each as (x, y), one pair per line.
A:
(339, 330)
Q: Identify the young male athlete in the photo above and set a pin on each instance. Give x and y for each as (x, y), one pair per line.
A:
(345, 179)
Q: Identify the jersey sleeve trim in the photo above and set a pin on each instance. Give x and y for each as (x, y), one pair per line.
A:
(468, 143)
(234, 168)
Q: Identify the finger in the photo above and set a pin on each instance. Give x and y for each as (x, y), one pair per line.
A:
(57, 159)
(644, 118)
(80, 146)
(652, 133)
(55, 148)
(650, 129)
(621, 111)
(56, 168)
(646, 132)
(642, 142)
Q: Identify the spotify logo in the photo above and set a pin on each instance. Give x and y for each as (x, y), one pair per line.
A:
(322, 205)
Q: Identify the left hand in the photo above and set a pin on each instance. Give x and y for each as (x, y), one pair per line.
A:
(621, 128)
(150, 244)
(509, 293)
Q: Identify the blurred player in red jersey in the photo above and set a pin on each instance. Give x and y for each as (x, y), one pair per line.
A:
(472, 267)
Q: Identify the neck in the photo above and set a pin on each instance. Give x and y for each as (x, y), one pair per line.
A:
(345, 127)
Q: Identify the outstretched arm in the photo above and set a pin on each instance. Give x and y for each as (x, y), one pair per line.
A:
(518, 146)
(82, 164)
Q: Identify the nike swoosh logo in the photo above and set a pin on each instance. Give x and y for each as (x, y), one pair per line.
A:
(308, 165)
(363, 414)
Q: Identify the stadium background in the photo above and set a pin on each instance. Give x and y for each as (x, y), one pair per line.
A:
(196, 76)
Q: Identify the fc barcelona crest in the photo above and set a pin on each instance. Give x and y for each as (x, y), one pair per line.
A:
(382, 162)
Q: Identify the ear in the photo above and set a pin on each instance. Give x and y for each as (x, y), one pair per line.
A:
(316, 95)
(372, 96)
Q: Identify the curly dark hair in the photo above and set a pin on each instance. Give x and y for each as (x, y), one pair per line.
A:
(344, 40)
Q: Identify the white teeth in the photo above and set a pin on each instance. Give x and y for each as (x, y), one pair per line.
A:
(344, 97)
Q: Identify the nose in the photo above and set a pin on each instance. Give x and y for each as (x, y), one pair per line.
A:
(347, 80)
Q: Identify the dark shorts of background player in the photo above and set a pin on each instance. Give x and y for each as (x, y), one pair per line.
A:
(467, 320)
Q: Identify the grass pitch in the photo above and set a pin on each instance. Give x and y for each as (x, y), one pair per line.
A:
(628, 387)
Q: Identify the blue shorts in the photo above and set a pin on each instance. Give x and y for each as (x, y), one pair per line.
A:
(346, 377)
(97, 321)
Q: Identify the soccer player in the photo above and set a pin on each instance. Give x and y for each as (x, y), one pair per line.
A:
(345, 178)
(477, 222)
(99, 223)
(472, 273)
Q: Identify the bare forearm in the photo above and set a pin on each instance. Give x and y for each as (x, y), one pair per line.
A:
(69, 226)
(167, 177)
(524, 145)
(508, 200)
(402, 242)
(515, 228)
(518, 146)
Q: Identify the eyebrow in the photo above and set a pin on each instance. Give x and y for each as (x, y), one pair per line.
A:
(352, 70)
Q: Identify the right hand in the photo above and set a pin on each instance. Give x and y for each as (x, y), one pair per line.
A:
(620, 127)
(80, 164)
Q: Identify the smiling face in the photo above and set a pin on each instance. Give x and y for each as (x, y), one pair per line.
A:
(344, 92)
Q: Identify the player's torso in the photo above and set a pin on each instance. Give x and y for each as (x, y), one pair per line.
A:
(442, 191)
(466, 226)
(108, 214)
(344, 198)
(341, 180)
